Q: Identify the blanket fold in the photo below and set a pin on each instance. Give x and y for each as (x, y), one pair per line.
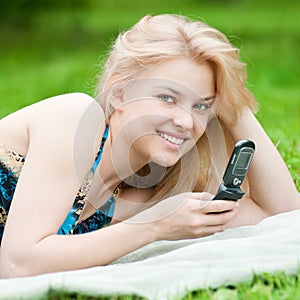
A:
(165, 269)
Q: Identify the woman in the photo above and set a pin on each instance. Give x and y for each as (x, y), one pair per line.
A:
(144, 165)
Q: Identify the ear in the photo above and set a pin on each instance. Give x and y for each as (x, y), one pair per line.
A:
(116, 98)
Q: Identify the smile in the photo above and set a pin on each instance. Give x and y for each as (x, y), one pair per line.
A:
(171, 139)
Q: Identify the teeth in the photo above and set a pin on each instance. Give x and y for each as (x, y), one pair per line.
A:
(171, 139)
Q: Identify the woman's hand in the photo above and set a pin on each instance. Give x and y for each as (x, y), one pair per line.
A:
(187, 215)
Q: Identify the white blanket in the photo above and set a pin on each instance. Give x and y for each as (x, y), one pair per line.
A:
(166, 269)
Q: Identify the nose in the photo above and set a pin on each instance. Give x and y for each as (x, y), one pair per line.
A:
(183, 118)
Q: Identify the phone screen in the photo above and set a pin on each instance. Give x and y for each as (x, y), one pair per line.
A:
(243, 162)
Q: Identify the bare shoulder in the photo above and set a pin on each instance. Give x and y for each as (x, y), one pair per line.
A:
(58, 117)
(71, 125)
(64, 113)
(67, 106)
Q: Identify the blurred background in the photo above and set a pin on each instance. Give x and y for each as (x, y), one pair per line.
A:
(50, 47)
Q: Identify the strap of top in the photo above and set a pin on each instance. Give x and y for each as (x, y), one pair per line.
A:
(99, 154)
(102, 216)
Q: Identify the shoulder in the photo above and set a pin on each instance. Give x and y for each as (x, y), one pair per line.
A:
(64, 113)
(56, 116)
(66, 127)
(66, 105)
(63, 110)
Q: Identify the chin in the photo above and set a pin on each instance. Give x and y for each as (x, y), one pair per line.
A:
(164, 161)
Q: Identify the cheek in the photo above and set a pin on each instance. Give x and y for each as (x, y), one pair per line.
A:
(200, 125)
(138, 129)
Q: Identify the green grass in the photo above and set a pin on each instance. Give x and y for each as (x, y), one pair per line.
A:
(49, 51)
(53, 51)
(263, 287)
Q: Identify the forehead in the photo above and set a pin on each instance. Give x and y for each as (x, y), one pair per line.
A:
(186, 83)
(183, 72)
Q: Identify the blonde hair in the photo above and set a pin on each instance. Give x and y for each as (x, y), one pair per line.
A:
(155, 39)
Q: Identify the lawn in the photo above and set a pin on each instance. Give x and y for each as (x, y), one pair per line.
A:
(53, 47)
(262, 287)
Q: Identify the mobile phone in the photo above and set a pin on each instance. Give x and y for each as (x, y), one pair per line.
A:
(236, 170)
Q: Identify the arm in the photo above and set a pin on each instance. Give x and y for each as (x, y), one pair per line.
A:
(47, 187)
(272, 189)
(46, 190)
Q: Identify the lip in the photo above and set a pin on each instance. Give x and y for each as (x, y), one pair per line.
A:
(175, 135)
(171, 145)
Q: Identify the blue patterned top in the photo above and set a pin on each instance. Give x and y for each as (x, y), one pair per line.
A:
(11, 164)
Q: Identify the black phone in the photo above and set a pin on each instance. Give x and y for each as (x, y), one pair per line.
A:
(236, 170)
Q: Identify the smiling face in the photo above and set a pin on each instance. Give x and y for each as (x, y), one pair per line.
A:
(162, 116)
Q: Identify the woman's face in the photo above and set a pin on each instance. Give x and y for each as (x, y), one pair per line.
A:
(160, 117)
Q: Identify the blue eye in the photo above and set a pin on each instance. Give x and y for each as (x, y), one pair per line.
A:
(167, 99)
(202, 106)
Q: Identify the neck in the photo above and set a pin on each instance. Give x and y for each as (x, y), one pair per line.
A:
(117, 162)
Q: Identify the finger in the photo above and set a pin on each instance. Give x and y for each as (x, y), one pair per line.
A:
(202, 196)
(219, 206)
(203, 199)
(202, 204)
(209, 230)
(219, 219)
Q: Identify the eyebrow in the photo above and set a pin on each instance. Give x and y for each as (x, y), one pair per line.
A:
(179, 93)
